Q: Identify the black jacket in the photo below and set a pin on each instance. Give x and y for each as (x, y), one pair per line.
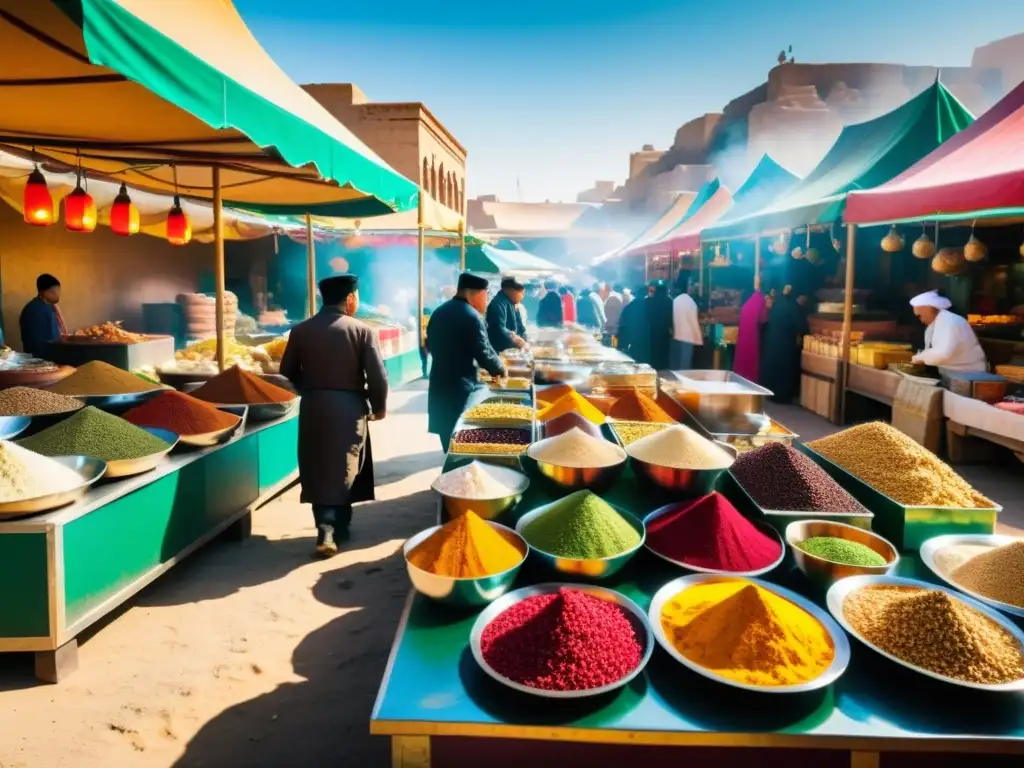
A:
(503, 319)
(549, 315)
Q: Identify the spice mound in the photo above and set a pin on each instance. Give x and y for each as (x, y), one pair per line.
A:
(630, 431)
(747, 634)
(27, 401)
(491, 441)
(98, 378)
(935, 631)
(842, 551)
(181, 414)
(711, 533)
(26, 475)
(568, 403)
(898, 466)
(555, 391)
(636, 406)
(679, 447)
(92, 432)
(238, 387)
(564, 641)
(577, 449)
(997, 574)
(473, 481)
(582, 526)
(466, 548)
(568, 421)
(781, 478)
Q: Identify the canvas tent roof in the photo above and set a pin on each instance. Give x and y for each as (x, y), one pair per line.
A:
(978, 172)
(864, 156)
(670, 217)
(142, 87)
(766, 183)
(687, 236)
(488, 259)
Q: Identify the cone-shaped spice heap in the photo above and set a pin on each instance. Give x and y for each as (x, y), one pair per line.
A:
(779, 477)
(997, 574)
(465, 548)
(581, 526)
(181, 414)
(636, 406)
(92, 432)
(569, 402)
(237, 387)
(567, 421)
(98, 378)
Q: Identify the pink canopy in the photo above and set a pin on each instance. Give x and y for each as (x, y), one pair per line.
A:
(979, 169)
(686, 237)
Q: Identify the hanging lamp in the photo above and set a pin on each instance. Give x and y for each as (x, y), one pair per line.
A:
(79, 207)
(38, 202)
(179, 228)
(124, 216)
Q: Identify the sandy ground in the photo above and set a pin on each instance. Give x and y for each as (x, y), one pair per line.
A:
(252, 654)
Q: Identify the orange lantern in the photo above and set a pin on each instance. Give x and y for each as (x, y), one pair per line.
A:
(179, 228)
(79, 211)
(38, 203)
(124, 216)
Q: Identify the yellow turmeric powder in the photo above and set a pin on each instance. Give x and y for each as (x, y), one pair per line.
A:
(747, 634)
(466, 548)
(571, 401)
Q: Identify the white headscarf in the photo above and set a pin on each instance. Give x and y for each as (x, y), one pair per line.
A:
(931, 299)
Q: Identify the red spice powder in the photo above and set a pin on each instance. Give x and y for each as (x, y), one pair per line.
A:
(636, 406)
(671, 407)
(569, 641)
(711, 533)
(181, 414)
(569, 420)
(237, 387)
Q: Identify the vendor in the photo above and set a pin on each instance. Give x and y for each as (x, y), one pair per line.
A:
(457, 342)
(949, 340)
(40, 320)
(549, 310)
(505, 326)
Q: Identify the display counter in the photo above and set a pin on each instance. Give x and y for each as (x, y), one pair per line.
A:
(74, 565)
(967, 417)
(873, 383)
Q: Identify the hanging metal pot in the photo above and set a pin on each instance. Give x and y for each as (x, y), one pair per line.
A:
(975, 250)
(923, 247)
(892, 242)
(949, 261)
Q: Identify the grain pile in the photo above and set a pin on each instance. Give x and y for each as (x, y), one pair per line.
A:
(499, 412)
(997, 574)
(893, 463)
(28, 401)
(779, 477)
(26, 475)
(472, 481)
(679, 447)
(99, 435)
(577, 449)
(97, 378)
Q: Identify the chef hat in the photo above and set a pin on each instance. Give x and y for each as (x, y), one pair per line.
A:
(335, 290)
(931, 299)
(470, 282)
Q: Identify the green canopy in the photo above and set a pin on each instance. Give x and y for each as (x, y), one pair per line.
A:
(765, 184)
(504, 261)
(864, 156)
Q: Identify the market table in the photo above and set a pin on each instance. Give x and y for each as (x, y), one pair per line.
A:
(873, 383)
(967, 417)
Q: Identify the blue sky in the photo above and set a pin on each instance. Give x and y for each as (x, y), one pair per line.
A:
(550, 96)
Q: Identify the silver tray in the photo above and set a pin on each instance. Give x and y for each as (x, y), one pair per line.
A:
(90, 469)
(639, 621)
(839, 591)
(839, 640)
(265, 411)
(128, 467)
(118, 403)
(218, 436)
(931, 548)
(12, 426)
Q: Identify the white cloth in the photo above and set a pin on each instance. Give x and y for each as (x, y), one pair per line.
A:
(931, 299)
(975, 413)
(950, 343)
(686, 320)
(612, 311)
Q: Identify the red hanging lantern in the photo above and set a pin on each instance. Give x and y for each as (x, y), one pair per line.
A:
(79, 211)
(179, 228)
(38, 203)
(124, 216)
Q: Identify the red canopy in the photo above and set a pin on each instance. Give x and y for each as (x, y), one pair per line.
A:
(979, 169)
(686, 237)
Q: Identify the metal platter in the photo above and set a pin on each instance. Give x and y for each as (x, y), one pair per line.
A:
(839, 640)
(488, 509)
(219, 436)
(12, 426)
(824, 573)
(929, 555)
(633, 612)
(90, 469)
(118, 403)
(842, 589)
(128, 467)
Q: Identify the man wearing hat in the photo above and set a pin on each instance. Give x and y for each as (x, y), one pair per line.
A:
(949, 340)
(334, 362)
(40, 321)
(457, 341)
(505, 327)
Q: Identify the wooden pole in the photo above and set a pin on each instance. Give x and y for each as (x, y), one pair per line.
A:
(671, 259)
(851, 249)
(757, 263)
(310, 268)
(218, 267)
(647, 266)
(419, 263)
(462, 245)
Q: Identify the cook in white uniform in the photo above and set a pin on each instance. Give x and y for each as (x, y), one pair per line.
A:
(949, 340)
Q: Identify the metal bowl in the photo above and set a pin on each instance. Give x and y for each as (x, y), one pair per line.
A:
(929, 556)
(495, 609)
(840, 643)
(218, 436)
(466, 593)
(90, 469)
(824, 573)
(128, 467)
(594, 568)
(488, 509)
(118, 403)
(12, 426)
(761, 526)
(695, 482)
(839, 591)
(265, 411)
(568, 479)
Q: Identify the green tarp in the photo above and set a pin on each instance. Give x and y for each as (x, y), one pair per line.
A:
(491, 260)
(765, 184)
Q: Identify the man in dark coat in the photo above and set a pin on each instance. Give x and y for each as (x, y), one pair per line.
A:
(40, 320)
(334, 362)
(549, 311)
(505, 327)
(658, 317)
(457, 340)
(633, 328)
(780, 361)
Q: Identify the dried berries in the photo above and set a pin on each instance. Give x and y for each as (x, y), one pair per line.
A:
(779, 477)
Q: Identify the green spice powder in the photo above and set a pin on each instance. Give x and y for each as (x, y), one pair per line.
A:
(97, 434)
(581, 526)
(841, 551)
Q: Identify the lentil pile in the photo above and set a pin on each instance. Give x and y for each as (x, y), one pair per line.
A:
(711, 533)
(564, 641)
(500, 412)
(569, 403)
(27, 401)
(680, 447)
(935, 631)
(631, 431)
(895, 464)
(239, 387)
(948, 559)
(997, 574)
(181, 414)
(27, 475)
(779, 477)
(568, 421)
(582, 526)
(842, 551)
(92, 432)
(497, 441)
(98, 378)
(636, 406)
(577, 449)
(747, 634)
(466, 548)
(473, 481)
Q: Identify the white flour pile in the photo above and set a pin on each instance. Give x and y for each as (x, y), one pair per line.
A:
(473, 481)
(679, 447)
(25, 474)
(578, 450)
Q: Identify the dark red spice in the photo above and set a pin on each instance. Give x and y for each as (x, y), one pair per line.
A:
(567, 421)
(779, 477)
(711, 533)
(499, 436)
(564, 641)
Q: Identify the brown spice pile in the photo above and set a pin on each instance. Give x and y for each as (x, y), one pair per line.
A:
(997, 574)
(934, 631)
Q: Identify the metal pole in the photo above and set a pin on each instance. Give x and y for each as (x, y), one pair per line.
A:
(419, 263)
(218, 267)
(757, 263)
(851, 249)
(646, 268)
(310, 268)
(462, 245)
